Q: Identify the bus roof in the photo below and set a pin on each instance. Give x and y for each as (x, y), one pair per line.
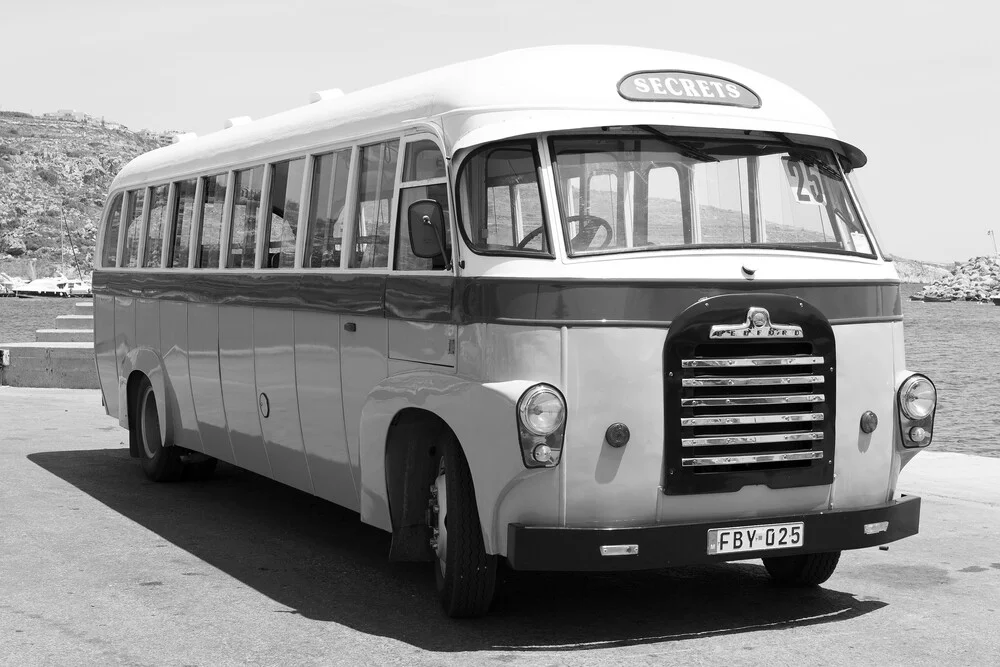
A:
(506, 95)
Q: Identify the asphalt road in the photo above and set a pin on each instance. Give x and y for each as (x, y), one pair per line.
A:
(100, 566)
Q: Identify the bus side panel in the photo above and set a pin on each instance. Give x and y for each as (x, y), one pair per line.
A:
(239, 389)
(274, 364)
(321, 410)
(124, 341)
(174, 342)
(104, 351)
(364, 350)
(206, 383)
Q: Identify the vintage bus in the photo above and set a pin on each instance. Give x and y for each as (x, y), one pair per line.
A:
(578, 308)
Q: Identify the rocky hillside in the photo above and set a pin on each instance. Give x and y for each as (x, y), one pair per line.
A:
(913, 271)
(54, 176)
(976, 280)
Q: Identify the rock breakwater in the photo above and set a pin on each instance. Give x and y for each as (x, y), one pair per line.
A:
(975, 280)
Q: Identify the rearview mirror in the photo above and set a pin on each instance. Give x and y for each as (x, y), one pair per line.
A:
(426, 223)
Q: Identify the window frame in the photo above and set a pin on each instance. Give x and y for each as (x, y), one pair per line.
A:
(105, 228)
(542, 192)
(402, 185)
(354, 198)
(348, 210)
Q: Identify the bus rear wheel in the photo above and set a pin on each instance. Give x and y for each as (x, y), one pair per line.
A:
(465, 573)
(802, 570)
(161, 464)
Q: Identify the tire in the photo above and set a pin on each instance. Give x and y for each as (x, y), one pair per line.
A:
(465, 573)
(803, 570)
(161, 464)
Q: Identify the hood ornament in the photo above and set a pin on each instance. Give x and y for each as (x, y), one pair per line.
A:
(757, 325)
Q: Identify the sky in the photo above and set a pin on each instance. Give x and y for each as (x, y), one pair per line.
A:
(914, 85)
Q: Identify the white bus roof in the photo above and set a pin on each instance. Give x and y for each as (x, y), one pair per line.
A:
(506, 95)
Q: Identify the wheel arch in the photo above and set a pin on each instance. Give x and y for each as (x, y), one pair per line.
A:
(472, 412)
(138, 363)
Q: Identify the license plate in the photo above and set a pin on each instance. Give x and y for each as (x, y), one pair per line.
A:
(755, 538)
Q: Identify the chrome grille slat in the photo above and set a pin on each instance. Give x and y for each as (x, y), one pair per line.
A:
(723, 401)
(774, 457)
(737, 420)
(752, 439)
(765, 381)
(749, 362)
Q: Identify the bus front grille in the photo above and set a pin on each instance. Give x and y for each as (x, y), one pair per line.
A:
(755, 411)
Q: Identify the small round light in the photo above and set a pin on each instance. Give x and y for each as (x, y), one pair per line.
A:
(917, 397)
(869, 422)
(918, 434)
(617, 435)
(542, 410)
(542, 453)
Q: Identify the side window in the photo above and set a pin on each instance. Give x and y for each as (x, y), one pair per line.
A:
(375, 202)
(500, 201)
(210, 235)
(133, 227)
(246, 202)
(182, 216)
(109, 253)
(423, 161)
(326, 209)
(283, 222)
(665, 210)
(154, 233)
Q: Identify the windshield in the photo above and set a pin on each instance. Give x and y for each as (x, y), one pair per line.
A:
(634, 193)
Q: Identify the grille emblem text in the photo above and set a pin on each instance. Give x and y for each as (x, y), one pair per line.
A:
(757, 325)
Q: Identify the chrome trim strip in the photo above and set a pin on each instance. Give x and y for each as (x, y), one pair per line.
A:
(781, 457)
(748, 362)
(709, 441)
(733, 420)
(752, 400)
(751, 381)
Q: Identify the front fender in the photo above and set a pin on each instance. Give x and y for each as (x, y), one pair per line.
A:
(149, 363)
(483, 417)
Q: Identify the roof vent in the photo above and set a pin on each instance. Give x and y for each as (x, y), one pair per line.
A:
(184, 136)
(239, 120)
(321, 95)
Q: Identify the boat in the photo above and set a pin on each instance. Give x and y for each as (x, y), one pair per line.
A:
(938, 299)
(916, 297)
(57, 286)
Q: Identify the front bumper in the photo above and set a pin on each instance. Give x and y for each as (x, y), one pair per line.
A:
(579, 549)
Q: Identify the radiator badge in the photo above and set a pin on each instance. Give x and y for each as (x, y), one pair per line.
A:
(757, 325)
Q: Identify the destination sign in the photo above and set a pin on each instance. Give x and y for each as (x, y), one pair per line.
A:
(675, 86)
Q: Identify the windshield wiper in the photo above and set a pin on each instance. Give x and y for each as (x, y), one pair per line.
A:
(824, 168)
(684, 148)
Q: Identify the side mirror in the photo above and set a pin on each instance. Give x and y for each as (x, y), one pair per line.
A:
(426, 223)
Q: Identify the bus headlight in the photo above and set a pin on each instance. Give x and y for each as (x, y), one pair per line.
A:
(541, 421)
(917, 400)
(917, 397)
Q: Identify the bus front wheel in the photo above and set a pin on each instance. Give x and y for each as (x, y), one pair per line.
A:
(466, 574)
(802, 570)
(161, 464)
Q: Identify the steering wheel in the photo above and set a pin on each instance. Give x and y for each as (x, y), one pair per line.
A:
(589, 226)
(584, 236)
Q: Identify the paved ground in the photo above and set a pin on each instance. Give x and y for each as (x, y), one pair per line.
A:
(99, 566)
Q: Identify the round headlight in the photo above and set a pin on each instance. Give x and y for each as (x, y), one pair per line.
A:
(542, 410)
(917, 397)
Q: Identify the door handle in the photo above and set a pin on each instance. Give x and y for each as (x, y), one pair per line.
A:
(350, 326)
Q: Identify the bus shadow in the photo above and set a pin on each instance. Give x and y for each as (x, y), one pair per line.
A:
(321, 562)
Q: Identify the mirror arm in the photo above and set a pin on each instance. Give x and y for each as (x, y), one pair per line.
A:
(437, 235)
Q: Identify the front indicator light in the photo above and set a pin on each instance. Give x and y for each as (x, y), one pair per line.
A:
(918, 434)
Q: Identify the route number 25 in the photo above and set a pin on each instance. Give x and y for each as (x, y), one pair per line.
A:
(807, 187)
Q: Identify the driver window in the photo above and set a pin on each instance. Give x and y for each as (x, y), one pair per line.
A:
(501, 204)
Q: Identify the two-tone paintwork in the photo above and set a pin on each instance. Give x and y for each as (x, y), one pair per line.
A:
(298, 374)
